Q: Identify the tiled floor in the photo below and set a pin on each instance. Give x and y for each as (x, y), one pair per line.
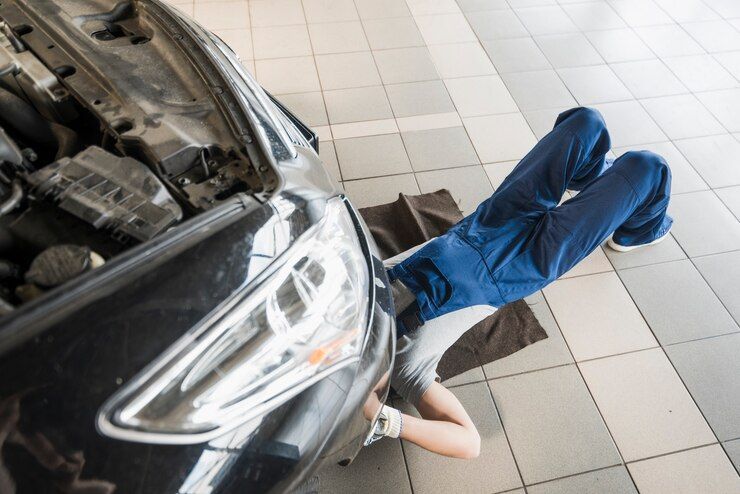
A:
(637, 388)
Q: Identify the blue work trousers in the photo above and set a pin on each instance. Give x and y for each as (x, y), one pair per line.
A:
(519, 240)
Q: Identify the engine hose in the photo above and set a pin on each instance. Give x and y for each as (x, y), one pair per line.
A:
(14, 200)
(19, 115)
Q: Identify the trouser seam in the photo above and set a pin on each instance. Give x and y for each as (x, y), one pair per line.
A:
(485, 263)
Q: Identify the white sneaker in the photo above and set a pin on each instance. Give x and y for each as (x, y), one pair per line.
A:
(626, 248)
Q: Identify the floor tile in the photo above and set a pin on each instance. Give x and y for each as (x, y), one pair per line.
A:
(546, 20)
(439, 148)
(703, 224)
(646, 405)
(730, 61)
(714, 36)
(330, 10)
(725, 8)
(473, 375)
(497, 172)
(380, 190)
(478, 5)
(546, 353)
(649, 78)
(687, 10)
(328, 155)
(222, 15)
(378, 468)
(667, 250)
(461, 60)
(475, 96)
(614, 480)
(357, 104)
(619, 45)
(684, 177)
(594, 16)
(605, 321)
(496, 24)
(346, 70)
(538, 90)
(731, 197)
(689, 472)
(669, 41)
(682, 116)
(500, 137)
(382, 9)
(543, 121)
(732, 448)
(430, 7)
(516, 55)
(688, 311)
(493, 471)
(552, 407)
(716, 158)
(629, 124)
(276, 12)
(725, 105)
(515, 4)
(595, 262)
(271, 75)
(445, 28)
(701, 73)
(419, 98)
(637, 13)
(594, 84)
(323, 132)
(372, 156)
(429, 122)
(309, 107)
(398, 32)
(337, 37)
(710, 368)
(568, 50)
(239, 40)
(469, 186)
(405, 65)
(281, 41)
(363, 129)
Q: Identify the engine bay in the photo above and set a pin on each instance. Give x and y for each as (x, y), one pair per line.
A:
(99, 149)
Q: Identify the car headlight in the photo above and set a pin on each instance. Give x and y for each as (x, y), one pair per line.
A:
(304, 321)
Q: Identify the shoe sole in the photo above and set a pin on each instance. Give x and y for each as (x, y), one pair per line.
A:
(627, 248)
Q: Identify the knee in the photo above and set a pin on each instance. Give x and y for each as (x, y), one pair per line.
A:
(643, 166)
(587, 118)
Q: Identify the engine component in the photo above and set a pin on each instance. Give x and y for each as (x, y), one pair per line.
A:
(9, 151)
(20, 116)
(19, 68)
(12, 202)
(59, 264)
(107, 191)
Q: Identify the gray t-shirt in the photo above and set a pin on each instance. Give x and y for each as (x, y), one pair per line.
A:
(419, 352)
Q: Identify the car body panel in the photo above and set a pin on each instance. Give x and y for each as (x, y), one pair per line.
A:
(63, 355)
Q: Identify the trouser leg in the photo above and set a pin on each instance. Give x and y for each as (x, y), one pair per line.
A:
(629, 199)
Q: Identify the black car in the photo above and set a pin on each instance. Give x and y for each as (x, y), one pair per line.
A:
(189, 304)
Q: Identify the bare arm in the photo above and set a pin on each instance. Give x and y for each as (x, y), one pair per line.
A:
(445, 427)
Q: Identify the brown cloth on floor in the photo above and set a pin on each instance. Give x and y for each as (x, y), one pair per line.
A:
(412, 220)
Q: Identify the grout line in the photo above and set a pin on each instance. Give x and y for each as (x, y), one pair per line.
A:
(675, 452)
(385, 91)
(321, 87)
(506, 435)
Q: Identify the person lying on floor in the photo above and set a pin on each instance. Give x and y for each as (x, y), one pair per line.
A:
(516, 242)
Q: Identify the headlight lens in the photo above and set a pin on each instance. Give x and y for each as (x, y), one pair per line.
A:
(306, 320)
